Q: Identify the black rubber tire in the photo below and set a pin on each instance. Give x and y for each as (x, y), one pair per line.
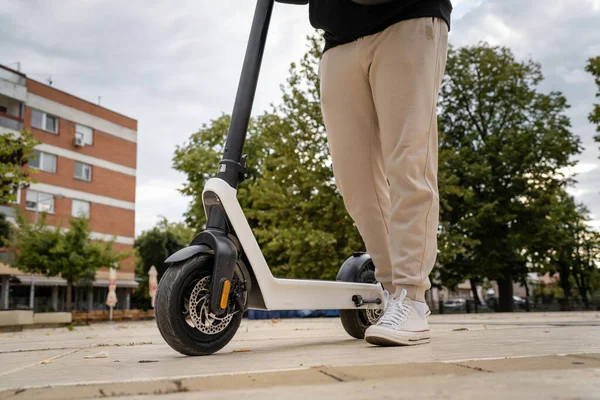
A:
(169, 308)
(355, 322)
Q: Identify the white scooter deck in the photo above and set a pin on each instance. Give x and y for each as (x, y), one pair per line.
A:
(288, 294)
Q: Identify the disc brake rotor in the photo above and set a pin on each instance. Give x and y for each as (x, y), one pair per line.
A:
(199, 311)
(373, 315)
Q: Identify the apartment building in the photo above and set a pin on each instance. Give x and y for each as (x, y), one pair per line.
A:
(84, 166)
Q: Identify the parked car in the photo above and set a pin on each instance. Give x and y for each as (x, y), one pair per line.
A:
(455, 305)
(519, 302)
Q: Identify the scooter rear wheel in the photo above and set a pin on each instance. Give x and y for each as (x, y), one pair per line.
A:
(182, 313)
(356, 322)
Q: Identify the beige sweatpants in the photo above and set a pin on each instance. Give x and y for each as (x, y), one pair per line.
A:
(378, 98)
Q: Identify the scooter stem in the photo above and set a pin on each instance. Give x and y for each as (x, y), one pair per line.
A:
(232, 166)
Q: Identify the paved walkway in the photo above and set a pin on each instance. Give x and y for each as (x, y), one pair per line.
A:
(487, 355)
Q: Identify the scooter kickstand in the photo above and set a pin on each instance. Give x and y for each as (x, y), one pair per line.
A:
(359, 301)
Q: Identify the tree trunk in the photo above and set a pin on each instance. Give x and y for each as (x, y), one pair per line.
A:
(527, 294)
(584, 298)
(583, 288)
(476, 299)
(505, 287)
(565, 283)
(583, 291)
(69, 296)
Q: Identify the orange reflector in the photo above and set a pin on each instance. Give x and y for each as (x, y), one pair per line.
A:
(225, 294)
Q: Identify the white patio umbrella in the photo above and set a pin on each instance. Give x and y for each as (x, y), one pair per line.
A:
(111, 298)
(152, 283)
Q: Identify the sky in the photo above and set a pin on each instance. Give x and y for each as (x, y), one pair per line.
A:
(174, 68)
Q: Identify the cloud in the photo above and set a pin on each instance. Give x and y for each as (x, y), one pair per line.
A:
(175, 67)
(561, 35)
(172, 68)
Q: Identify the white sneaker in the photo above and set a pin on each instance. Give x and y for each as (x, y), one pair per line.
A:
(400, 325)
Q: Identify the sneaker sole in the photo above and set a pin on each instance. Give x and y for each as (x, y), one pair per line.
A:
(383, 341)
(382, 337)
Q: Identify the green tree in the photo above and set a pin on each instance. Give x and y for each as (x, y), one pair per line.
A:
(456, 261)
(70, 254)
(14, 153)
(290, 197)
(153, 247)
(593, 67)
(503, 144)
(557, 240)
(5, 231)
(586, 261)
(570, 247)
(594, 284)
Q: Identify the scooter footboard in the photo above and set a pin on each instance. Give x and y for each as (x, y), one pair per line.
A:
(296, 294)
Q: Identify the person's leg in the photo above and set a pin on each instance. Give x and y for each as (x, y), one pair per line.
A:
(406, 72)
(353, 139)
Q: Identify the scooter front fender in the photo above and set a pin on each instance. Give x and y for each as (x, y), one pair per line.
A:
(187, 252)
(224, 264)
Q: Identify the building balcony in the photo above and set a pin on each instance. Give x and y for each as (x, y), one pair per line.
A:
(7, 256)
(10, 122)
(8, 210)
(13, 84)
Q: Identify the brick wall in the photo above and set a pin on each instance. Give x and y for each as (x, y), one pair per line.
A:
(106, 147)
(103, 219)
(69, 100)
(104, 182)
(118, 315)
(127, 265)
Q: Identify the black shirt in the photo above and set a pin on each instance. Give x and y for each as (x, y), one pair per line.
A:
(345, 21)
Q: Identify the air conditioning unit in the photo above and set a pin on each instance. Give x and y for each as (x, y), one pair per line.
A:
(78, 140)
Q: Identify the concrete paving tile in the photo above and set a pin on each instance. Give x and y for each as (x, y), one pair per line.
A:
(33, 361)
(156, 387)
(530, 364)
(299, 379)
(589, 356)
(581, 384)
(123, 363)
(287, 344)
(395, 371)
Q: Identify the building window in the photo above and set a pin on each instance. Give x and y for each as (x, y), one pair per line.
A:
(43, 201)
(46, 122)
(80, 209)
(17, 199)
(3, 109)
(83, 171)
(37, 119)
(43, 161)
(86, 133)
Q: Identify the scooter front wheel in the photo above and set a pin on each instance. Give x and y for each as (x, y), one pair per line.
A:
(356, 322)
(182, 309)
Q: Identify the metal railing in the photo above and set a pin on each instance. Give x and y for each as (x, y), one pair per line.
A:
(10, 122)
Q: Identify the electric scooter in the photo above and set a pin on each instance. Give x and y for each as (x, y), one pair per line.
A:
(201, 298)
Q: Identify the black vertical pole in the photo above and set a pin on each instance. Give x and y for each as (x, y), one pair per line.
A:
(231, 167)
